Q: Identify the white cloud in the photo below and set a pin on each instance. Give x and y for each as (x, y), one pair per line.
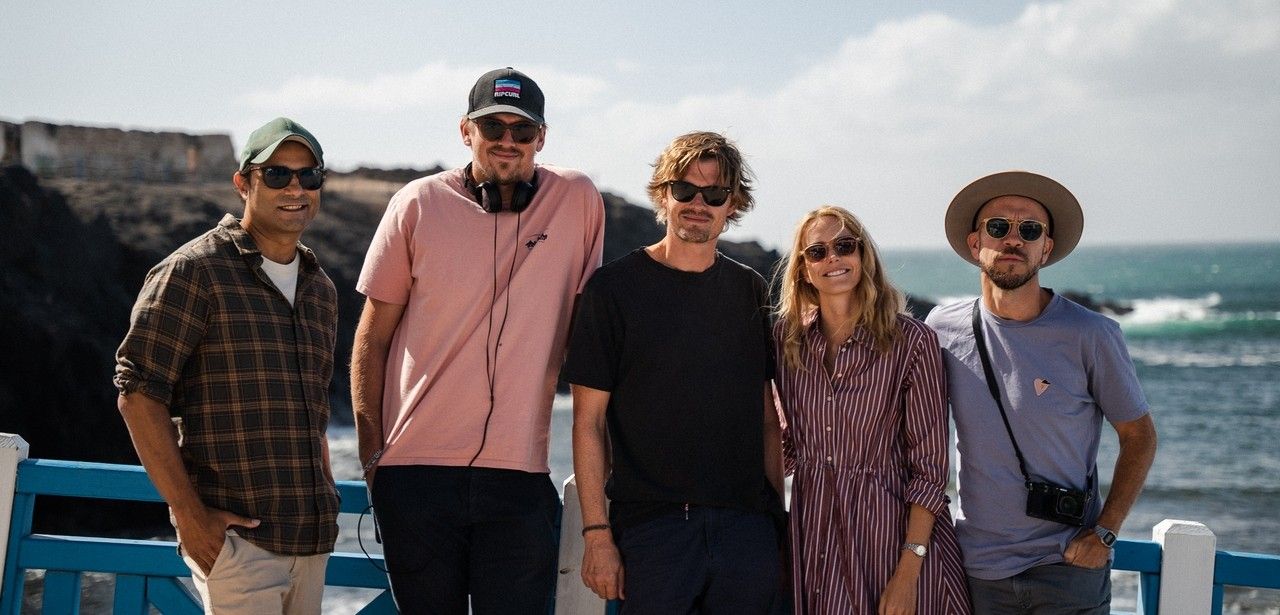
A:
(424, 87)
(1148, 110)
(433, 86)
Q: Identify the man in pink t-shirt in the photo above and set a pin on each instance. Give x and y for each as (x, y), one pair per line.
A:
(470, 282)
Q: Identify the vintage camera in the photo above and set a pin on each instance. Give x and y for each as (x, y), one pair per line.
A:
(1056, 503)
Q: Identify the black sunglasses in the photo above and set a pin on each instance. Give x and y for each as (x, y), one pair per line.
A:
(521, 132)
(842, 246)
(277, 177)
(1028, 230)
(684, 192)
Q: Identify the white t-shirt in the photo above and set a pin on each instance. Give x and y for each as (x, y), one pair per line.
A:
(285, 277)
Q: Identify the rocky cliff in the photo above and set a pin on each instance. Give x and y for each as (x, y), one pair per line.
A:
(73, 254)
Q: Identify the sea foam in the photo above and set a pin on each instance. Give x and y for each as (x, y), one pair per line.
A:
(1159, 310)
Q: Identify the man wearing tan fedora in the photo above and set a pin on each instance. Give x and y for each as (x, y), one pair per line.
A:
(1031, 376)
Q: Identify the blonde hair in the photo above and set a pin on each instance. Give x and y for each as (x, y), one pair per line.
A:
(691, 147)
(878, 301)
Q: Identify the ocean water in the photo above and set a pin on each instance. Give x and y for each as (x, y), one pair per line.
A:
(1204, 334)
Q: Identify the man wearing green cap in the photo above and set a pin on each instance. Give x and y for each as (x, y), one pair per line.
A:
(224, 379)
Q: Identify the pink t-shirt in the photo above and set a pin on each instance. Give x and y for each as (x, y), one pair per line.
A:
(434, 252)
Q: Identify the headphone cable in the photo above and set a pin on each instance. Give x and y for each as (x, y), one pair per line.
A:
(491, 371)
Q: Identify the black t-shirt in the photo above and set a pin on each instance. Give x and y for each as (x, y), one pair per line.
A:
(685, 357)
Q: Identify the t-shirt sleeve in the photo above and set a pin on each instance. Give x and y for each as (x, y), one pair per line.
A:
(168, 322)
(387, 274)
(766, 319)
(1113, 379)
(594, 236)
(596, 340)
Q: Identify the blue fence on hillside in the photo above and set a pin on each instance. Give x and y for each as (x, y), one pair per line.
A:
(147, 571)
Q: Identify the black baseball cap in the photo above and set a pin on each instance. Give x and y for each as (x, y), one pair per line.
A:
(506, 90)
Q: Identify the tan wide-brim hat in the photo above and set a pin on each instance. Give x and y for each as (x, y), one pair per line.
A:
(1066, 220)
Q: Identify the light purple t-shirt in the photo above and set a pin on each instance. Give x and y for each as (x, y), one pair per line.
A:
(1060, 374)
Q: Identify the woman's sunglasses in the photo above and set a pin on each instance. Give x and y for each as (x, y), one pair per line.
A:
(521, 132)
(1028, 230)
(684, 192)
(841, 246)
(277, 177)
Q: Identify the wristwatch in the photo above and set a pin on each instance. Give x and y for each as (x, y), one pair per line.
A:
(1107, 536)
(919, 550)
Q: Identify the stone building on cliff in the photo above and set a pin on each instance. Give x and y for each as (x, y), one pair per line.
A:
(53, 150)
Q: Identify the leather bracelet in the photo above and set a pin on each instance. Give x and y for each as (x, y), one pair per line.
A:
(598, 526)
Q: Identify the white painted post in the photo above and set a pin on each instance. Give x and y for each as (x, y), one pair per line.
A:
(1186, 567)
(572, 596)
(12, 450)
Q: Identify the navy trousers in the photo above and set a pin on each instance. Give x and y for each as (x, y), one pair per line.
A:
(452, 532)
(708, 560)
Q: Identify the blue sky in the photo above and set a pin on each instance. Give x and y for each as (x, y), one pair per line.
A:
(1162, 116)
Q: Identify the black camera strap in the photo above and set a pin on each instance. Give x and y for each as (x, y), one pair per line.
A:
(981, 342)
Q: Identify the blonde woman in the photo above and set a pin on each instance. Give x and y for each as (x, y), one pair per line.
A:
(864, 393)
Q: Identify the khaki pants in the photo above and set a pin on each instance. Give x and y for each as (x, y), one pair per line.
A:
(251, 580)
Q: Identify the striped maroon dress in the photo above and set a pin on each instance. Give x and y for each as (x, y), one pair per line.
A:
(863, 444)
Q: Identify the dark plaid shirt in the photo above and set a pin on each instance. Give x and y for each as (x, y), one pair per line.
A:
(212, 338)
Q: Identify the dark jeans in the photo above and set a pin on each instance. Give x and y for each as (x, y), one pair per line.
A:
(717, 560)
(1054, 589)
(452, 532)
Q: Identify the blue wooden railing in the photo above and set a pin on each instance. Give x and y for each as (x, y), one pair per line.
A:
(1243, 570)
(147, 571)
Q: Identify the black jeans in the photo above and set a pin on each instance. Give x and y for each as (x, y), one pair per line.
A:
(708, 560)
(450, 532)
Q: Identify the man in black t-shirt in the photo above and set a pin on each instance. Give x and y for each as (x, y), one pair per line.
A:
(670, 360)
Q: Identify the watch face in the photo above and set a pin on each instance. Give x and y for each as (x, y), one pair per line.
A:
(1107, 537)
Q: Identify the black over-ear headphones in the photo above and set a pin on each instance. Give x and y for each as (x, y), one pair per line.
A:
(489, 196)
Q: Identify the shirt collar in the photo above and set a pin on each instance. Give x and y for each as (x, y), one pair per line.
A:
(247, 247)
(813, 331)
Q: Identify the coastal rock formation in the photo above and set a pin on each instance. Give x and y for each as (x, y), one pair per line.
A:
(63, 309)
(1104, 306)
(56, 150)
(74, 252)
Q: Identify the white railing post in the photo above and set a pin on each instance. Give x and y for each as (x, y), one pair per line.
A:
(1186, 566)
(13, 449)
(572, 596)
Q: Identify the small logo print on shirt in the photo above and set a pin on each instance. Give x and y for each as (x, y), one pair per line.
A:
(1042, 385)
(535, 240)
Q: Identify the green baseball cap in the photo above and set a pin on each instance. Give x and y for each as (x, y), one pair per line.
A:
(264, 141)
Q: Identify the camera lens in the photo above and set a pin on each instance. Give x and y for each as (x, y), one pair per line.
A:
(1070, 505)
